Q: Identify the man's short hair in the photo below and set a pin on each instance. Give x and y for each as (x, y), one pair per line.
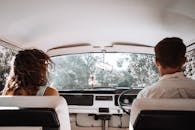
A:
(170, 52)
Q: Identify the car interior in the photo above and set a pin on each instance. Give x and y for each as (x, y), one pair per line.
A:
(103, 56)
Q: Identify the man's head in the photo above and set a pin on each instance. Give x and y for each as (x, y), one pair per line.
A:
(170, 53)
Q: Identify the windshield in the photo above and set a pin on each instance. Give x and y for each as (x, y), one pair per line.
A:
(94, 70)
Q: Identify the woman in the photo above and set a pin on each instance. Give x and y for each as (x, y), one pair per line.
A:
(28, 75)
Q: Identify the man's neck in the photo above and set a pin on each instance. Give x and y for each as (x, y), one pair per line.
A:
(169, 70)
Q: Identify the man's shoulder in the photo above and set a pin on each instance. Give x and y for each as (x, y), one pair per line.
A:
(190, 80)
(149, 91)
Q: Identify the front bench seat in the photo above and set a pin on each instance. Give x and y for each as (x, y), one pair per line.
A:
(54, 111)
(162, 114)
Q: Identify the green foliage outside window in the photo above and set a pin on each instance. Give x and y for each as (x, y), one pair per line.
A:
(6, 56)
(190, 64)
(107, 69)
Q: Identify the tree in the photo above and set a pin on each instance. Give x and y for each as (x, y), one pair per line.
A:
(189, 67)
(142, 71)
(128, 70)
(73, 71)
(6, 56)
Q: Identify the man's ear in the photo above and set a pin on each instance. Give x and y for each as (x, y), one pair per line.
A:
(157, 62)
(184, 60)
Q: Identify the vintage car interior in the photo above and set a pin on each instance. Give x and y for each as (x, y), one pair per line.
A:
(102, 52)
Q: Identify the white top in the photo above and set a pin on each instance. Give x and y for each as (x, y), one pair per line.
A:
(170, 86)
(41, 90)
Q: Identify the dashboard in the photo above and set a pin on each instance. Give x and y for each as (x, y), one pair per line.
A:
(98, 101)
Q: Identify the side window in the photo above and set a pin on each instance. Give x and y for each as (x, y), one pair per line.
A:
(190, 65)
(6, 56)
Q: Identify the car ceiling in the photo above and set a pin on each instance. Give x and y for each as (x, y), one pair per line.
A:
(46, 24)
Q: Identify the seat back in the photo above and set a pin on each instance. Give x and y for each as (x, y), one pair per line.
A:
(34, 113)
(163, 114)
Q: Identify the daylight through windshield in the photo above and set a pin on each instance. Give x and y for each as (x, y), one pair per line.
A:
(92, 70)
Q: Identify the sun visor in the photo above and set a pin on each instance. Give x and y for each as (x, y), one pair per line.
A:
(114, 47)
(72, 49)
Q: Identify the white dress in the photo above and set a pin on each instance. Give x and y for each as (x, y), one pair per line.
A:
(41, 90)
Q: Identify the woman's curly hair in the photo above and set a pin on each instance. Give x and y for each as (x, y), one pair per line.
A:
(28, 69)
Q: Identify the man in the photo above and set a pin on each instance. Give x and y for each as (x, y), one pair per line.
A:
(170, 57)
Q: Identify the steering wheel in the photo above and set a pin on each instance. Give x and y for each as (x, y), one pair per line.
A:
(122, 104)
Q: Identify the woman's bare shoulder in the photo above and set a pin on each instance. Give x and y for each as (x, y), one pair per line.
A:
(50, 91)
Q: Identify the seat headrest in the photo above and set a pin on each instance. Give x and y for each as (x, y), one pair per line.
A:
(58, 103)
(160, 104)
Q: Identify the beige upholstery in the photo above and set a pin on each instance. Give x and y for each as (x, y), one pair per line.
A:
(160, 104)
(58, 103)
